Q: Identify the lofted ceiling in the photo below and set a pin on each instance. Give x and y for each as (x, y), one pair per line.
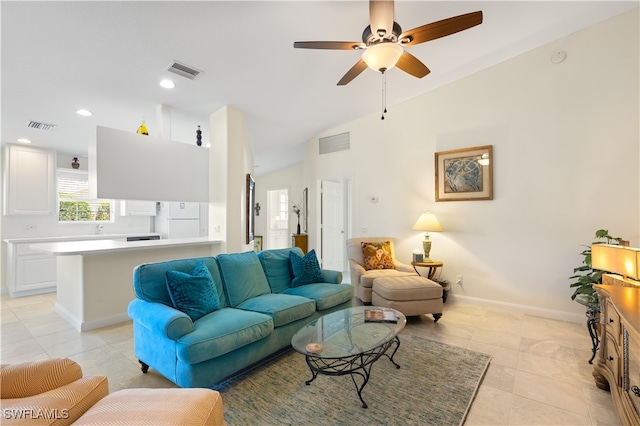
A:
(109, 57)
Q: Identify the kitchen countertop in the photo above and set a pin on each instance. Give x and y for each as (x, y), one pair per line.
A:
(70, 248)
(76, 237)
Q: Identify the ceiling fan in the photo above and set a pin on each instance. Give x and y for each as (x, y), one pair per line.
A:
(383, 41)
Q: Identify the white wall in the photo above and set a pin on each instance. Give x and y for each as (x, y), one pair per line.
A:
(231, 158)
(566, 151)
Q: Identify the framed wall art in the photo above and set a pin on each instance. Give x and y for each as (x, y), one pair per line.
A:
(465, 174)
(250, 202)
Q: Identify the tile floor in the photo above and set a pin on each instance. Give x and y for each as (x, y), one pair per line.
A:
(539, 373)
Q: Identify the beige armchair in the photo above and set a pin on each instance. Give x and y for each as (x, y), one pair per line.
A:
(362, 279)
(48, 392)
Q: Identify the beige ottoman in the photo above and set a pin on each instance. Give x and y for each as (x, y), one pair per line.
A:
(170, 407)
(412, 295)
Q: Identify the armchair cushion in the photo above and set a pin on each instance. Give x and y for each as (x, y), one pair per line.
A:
(193, 293)
(306, 269)
(377, 255)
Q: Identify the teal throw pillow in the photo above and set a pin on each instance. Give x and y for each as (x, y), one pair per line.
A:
(306, 270)
(195, 293)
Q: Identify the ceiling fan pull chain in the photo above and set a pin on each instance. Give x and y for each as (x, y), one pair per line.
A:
(384, 94)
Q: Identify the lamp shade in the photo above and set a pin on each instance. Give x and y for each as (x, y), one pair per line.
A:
(382, 56)
(427, 222)
(620, 260)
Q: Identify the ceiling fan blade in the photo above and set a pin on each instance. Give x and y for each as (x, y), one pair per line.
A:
(353, 72)
(333, 45)
(412, 65)
(381, 17)
(439, 29)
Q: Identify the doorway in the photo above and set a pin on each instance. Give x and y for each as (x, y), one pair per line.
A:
(335, 222)
(277, 218)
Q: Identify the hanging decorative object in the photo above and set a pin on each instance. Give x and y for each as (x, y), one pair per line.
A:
(142, 130)
(75, 163)
(199, 136)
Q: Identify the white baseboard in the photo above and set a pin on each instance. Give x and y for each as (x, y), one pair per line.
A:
(531, 310)
(90, 325)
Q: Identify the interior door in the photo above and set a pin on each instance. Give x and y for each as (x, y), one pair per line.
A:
(332, 223)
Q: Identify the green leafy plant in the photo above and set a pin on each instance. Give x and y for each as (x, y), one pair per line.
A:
(585, 275)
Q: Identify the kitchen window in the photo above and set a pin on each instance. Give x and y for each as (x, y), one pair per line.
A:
(74, 204)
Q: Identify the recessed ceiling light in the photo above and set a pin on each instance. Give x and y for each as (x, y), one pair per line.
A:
(84, 112)
(24, 140)
(167, 84)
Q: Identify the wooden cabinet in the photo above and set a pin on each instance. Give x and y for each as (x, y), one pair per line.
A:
(299, 240)
(137, 208)
(30, 272)
(618, 363)
(30, 181)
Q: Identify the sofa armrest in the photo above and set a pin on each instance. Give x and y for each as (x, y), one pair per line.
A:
(356, 267)
(332, 277)
(161, 318)
(33, 378)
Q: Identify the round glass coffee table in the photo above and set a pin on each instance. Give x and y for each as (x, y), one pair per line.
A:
(343, 342)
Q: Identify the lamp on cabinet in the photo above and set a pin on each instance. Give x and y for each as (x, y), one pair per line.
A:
(617, 259)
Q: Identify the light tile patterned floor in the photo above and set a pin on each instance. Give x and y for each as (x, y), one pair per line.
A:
(539, 373)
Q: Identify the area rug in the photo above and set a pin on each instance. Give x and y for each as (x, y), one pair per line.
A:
(435, 385)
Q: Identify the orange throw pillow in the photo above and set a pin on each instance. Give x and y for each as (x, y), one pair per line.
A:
(377, 255)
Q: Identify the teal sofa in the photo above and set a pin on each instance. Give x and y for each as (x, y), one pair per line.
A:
(259, 311)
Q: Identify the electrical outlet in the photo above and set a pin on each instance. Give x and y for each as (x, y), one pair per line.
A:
(459, 279)
(31, 227)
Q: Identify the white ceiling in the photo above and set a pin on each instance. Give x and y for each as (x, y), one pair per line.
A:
(109, 56)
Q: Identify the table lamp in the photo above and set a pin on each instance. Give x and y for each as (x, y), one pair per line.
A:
(429, 223)
(618, 259)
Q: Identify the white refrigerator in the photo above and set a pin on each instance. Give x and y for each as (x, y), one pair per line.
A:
(178, 220)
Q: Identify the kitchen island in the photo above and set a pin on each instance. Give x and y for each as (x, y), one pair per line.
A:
(94, 278)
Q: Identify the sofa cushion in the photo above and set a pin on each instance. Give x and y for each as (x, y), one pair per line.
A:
(150, 282)
(243, 276)
(306, 269)
(193, 293)
(220, 332)
(325, 295)
(283, 308)
(377, 255)
(277, 267)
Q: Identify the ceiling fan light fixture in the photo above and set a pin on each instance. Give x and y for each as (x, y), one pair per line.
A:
(382, 56)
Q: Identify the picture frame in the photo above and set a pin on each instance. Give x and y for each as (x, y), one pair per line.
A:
(305, 209)
(464, 174)
(250, 202)
(257, 243)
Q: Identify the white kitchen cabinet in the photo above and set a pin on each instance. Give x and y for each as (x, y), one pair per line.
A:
(30, 272)
(137, 208)
(30, 181)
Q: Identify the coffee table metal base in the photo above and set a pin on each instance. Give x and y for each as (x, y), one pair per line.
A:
(356, 365)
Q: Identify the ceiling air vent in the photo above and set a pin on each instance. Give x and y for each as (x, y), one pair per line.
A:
(340, 142)
(183, 70)
(41, 126)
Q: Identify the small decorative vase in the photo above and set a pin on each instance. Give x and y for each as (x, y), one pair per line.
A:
(298, 226)
(75, 164)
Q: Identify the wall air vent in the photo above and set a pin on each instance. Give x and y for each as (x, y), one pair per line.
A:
(41, 126)
(340, 142)
(183, 70)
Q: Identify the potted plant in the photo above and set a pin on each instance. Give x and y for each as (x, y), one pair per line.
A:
(585, 275)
